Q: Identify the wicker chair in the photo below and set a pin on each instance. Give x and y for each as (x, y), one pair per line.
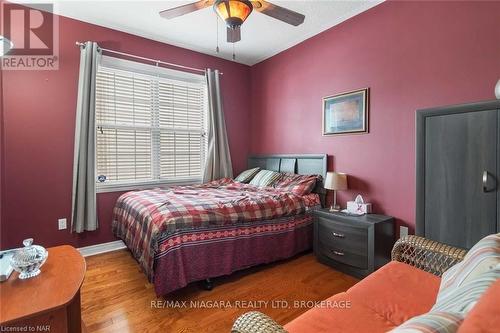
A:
(425, 254)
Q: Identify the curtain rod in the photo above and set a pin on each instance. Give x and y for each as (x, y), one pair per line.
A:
(80, 44)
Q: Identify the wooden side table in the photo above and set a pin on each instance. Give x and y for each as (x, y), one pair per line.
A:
(49, 302)
(356, 245)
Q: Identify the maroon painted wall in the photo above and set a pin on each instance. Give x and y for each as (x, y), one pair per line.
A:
(412, 55)
(38, 133)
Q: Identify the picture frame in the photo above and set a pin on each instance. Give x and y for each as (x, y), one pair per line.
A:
(346, 113)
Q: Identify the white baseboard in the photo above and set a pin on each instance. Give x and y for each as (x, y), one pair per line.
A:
(101, 248)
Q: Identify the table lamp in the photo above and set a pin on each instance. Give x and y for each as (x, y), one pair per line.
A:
(336, 181)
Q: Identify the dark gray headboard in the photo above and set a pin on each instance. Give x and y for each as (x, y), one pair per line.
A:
(302, 164)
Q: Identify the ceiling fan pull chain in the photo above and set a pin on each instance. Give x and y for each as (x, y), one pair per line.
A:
(234, 55)
(217, 25)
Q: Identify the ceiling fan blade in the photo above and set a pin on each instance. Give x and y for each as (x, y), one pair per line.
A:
(279, 13)
(185, 9)
(233, 34)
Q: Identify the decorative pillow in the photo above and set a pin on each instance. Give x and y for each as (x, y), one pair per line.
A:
(485, 315)
(482, 257)
(265, 178)
(431, 322)
(247, 175)
(464, 297)
(297, 184)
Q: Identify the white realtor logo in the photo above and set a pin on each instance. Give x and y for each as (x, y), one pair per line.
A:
(30, 37)
(18, 25)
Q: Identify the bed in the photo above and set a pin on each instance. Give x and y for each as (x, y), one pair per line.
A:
(192, 233)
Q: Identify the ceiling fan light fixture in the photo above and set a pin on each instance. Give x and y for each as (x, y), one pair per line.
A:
(233, 12)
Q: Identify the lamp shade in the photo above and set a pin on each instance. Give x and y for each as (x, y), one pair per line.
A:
(336, 181)
(233, 12)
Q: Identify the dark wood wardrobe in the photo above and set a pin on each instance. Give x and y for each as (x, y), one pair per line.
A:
(458, 169)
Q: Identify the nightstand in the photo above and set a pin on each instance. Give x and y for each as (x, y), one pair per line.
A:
(356, 245)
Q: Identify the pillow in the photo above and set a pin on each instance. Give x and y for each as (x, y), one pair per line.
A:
(265, 178)
(463, 298)
(482, 257)
(485, 315)
(247, 175)
(297, 184)
(449, 312)
(435, 322)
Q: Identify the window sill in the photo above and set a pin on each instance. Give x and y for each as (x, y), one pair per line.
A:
(123, 187)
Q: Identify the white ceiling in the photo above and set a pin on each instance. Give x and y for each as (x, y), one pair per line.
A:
(262, 36)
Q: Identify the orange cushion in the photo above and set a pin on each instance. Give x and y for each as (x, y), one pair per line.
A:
(485, 315)
(353, 318)
(378, 303)
(397, 291)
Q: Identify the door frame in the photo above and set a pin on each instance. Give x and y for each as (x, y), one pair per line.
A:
(421, 117)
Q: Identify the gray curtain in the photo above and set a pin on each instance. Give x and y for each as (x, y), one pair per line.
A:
(83, 214)
(218, 162)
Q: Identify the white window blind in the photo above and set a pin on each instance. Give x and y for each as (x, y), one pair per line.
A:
(150, 124)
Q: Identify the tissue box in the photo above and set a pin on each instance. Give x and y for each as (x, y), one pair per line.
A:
(359, 208)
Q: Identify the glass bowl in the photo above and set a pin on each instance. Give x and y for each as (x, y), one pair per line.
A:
(28, 260)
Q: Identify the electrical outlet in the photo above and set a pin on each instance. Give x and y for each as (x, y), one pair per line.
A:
(403, 231)
(62, 224)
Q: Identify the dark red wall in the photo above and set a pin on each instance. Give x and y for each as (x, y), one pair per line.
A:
(411, 55)
(38, 133)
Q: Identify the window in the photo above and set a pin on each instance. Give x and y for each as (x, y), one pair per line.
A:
(150, 125)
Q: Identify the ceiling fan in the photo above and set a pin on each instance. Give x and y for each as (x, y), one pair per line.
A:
(235, 12)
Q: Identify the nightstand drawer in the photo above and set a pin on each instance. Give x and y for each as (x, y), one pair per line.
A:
(356, 245)
(343, 256)
(342, 236)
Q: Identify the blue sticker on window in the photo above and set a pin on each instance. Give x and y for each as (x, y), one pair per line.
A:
(101, 178)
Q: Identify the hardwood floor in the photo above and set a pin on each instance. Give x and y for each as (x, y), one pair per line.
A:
(116, 296)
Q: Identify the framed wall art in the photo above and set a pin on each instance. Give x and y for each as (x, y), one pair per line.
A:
(346, 113)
